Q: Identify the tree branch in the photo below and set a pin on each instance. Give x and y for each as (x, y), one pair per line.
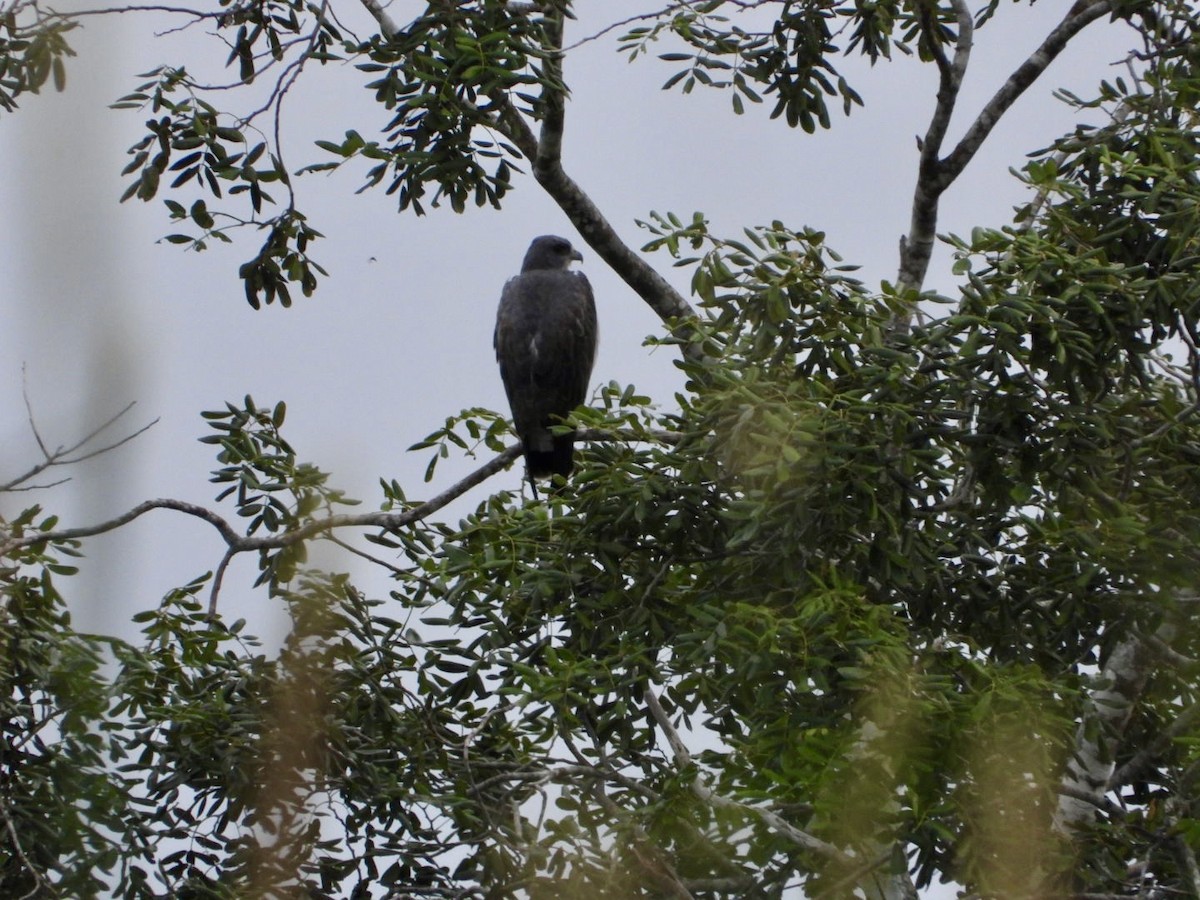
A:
(139, 8)
(545, 154)
(239, 543)
(1082, 14)
(1138, 763)
(1106, 712)
(236, 543)
(554, 95)
(667, 303)
(61, 456)
(387, 25)
(1099, 801)
(936, 175)
(917, 248)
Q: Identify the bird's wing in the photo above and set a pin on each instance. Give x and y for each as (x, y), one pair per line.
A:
(545, 342)
(504, 322)
(584, 334)
(563, 336)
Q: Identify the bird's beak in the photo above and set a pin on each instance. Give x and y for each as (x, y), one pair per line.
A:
(576, 255)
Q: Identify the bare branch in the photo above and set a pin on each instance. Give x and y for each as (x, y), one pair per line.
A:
(362, 554)
(29, 415)
(1169, 655)
(219, 579)
(71, 460)
(1099, 801)
(599, 234)
(35, 487)
(554, 96)
(683, 758)
(387, 25)
(545, 153)
(238, 543)
(1082, 14)
(62, 456)
(196, 14)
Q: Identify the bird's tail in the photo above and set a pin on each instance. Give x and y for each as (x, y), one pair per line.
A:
(558, 460)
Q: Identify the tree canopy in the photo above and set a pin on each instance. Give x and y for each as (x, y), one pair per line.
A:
(900, 589)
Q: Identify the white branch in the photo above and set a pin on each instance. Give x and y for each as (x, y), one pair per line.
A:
(1101, 728)
(387, 25)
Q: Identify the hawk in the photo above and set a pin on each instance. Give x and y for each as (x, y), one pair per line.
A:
(545, 342)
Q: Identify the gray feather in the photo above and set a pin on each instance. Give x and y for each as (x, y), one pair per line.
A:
(545, 339)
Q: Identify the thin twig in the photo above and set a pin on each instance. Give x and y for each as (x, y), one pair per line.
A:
(363, 554)
(136, 8)
(29, 414)
(62, 456)
(667, 10)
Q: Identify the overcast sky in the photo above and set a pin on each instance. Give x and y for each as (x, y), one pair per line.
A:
(399, 336)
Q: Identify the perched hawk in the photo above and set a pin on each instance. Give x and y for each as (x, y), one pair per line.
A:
(546, 344)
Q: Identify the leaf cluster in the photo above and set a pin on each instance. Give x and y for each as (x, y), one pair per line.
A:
(32, 53)
(791, 58)
(469, 430)
(65, 813)
(267, 28)
(190, 143)
(445, 78)
(269, 486)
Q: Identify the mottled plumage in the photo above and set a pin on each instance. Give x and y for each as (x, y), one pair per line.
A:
(546, 344)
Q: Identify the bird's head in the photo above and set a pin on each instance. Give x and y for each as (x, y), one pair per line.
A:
(550, 252)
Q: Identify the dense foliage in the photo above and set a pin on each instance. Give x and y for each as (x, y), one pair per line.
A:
(853, 615)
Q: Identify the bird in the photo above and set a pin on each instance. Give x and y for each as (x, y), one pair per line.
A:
(545, 342)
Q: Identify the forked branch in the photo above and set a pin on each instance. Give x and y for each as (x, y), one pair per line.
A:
(937, 172)
(69, 455)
